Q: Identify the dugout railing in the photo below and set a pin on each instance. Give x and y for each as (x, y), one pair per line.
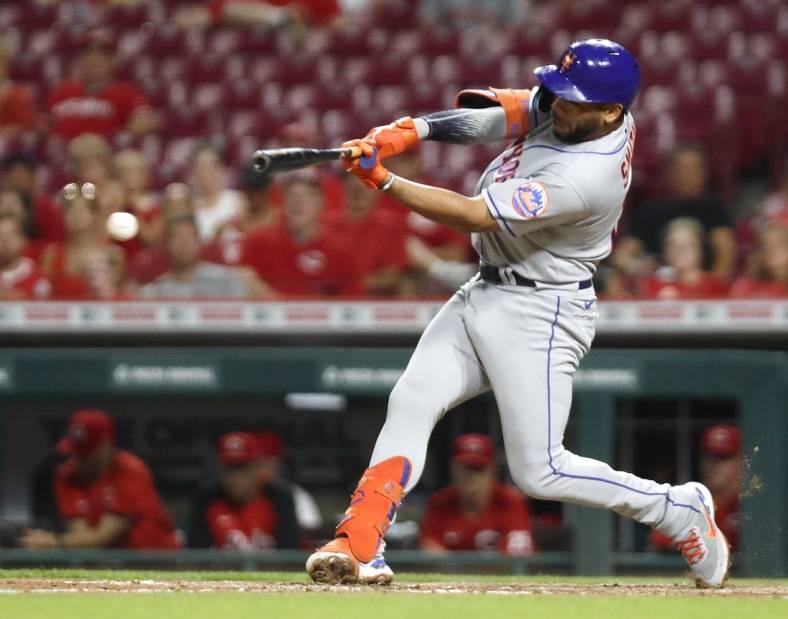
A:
(757, 381)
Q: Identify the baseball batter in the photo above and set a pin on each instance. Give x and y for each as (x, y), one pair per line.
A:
(542, 218)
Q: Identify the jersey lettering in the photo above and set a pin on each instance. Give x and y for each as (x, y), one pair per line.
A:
(510, 162)
(626, 165)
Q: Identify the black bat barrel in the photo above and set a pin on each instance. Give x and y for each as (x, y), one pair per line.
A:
(283, 159)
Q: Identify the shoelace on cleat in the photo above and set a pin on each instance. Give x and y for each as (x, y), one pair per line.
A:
(692, 547)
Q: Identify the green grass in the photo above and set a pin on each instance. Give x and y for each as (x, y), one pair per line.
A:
(377, 604)
(301, 577)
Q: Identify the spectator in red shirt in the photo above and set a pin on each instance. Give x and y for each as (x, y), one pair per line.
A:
(445, 243)
(720, 472)
(20, 277)
(20, 173)
(682, 276)
(255, 213)
(377, 237)
(17, 111)
(105, 495)
(86, 264)
(250, 509)
(300, 256)
(93, 102)
(297, 135)
(767, 275)
(477, 512)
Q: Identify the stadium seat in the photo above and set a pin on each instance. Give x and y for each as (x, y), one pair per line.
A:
(349, 42)
(396, 15)
(671, 16)
(391, 70)
(445, 69)
(259, 40)
(223, 41)
(440, 41)
(242, 95)
(184, 122)
(34, 15)
(589, 14)
(166, 40)
(127, 16)
(205, 68)
(209, 96)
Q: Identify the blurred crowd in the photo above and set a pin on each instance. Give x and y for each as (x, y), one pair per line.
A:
(223, 230)
(103, 496)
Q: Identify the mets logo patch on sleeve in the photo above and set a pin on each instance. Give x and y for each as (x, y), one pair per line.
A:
(530, 199)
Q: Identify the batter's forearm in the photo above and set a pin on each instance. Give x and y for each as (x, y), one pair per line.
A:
(463, 126)
(444, 206)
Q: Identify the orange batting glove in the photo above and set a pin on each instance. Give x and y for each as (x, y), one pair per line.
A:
(367, 167)
(394, 138)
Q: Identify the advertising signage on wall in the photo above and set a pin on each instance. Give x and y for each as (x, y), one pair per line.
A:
(145, 376)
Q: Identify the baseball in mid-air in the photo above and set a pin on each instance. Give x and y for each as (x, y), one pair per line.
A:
(122, 226)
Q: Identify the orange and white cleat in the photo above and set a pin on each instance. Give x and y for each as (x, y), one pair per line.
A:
(333, 564)
(703, 544)
(356, 555)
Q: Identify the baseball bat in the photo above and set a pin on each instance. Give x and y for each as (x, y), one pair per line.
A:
(282, 159)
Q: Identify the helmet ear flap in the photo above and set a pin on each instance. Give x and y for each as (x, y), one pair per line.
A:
(544, 99)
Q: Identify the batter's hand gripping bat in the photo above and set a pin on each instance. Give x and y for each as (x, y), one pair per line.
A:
(283, 159)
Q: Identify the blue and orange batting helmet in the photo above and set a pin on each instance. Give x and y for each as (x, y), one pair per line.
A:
(593, 71)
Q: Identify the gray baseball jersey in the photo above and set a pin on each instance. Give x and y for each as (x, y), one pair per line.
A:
(557, 204)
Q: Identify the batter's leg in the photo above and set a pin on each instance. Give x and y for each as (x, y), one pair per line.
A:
(443, 372)
(530, 365)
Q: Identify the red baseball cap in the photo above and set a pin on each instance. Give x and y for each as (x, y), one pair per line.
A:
(238, 448)
(270, 444)
(721, 440)
(88, 429)
(473, 450)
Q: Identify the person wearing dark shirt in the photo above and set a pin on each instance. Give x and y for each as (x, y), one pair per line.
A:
(248, 509)
(21, 172)
(689, 197)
